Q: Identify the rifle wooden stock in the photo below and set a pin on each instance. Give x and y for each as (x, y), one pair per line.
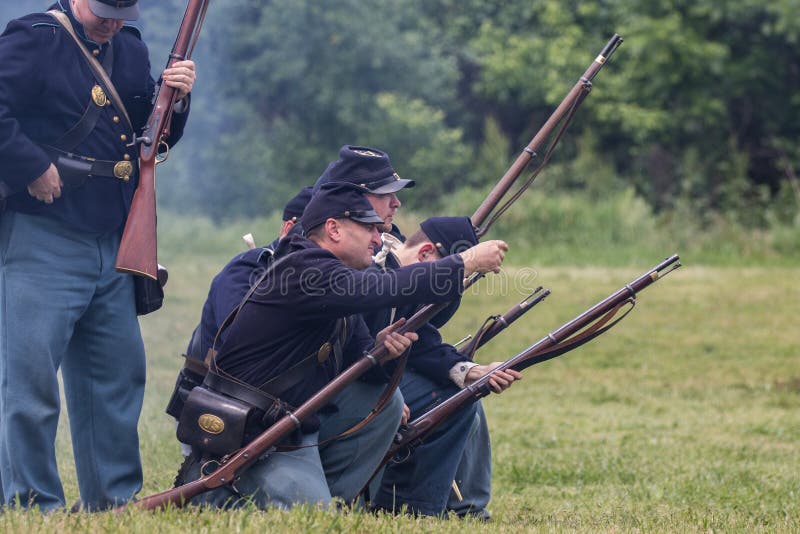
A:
(417, 430)
(138, 249)
(241, 460)
(529, 152)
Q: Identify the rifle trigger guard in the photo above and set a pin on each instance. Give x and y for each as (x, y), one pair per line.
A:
(161, 157)
(203, 471)
(407, 454)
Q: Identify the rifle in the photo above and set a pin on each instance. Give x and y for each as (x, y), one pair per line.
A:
(230, 467)
(565, 110)
(582, 329)
(138, 252)
(497, 323)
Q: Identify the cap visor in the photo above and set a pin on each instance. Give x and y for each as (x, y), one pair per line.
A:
(393, 187)
(369, 219)
(120, 13)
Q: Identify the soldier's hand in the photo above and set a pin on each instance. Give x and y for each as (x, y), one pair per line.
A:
(181, 76)
(406, 414)
(47, 187)
(484, 257)
(395, 342)
(499, 381)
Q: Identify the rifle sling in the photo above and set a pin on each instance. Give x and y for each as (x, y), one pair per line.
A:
(524, 187)
(546, 353)
(599, 328)
(380, 404)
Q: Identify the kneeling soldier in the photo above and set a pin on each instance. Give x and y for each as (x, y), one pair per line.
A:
(282, 344)
(342, 458)
(460, 449)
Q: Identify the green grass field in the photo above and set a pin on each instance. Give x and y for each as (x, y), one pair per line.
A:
(685, 417)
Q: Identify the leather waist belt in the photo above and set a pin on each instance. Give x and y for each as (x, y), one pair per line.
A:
(196, 366)
(75, 169)
(239, 390)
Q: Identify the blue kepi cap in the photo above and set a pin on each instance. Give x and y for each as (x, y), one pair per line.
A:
(115, 9)
(450, 235)
(365, 167)
(338, 201)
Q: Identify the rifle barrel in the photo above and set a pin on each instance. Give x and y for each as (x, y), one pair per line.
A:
(505, 320)
(417, 430)
(529, 152)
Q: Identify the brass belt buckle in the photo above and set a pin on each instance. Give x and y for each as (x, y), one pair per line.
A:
(123, 170)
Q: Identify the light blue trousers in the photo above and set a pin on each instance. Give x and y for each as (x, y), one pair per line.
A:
(474, 473)
(62, 305)
(313, 475)
(422, 482)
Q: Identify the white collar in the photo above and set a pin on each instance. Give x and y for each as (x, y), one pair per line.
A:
(390, 245)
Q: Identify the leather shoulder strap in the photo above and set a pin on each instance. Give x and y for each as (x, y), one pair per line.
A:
(97, 69)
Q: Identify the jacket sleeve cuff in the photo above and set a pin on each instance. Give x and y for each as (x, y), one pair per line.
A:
(458, 373)
(182, 105)
(24, 177)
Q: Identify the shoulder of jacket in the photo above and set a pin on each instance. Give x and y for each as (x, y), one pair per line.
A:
(35, 20)
(132, 30)
(45, 24)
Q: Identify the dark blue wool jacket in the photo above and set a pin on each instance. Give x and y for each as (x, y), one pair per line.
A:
(45, 87)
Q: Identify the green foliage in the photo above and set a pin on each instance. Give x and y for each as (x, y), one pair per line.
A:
(698, 111)
(697, 107)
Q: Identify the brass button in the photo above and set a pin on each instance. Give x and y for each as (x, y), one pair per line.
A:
(126, 157)
(99, 96)
(115, 118)
(123, 137)
(96, 52)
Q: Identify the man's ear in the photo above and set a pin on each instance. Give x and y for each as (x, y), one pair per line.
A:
(287, 225)
(427, 252)
(333, 230)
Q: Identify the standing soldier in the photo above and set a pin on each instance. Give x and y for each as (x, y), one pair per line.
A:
(68, 172)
